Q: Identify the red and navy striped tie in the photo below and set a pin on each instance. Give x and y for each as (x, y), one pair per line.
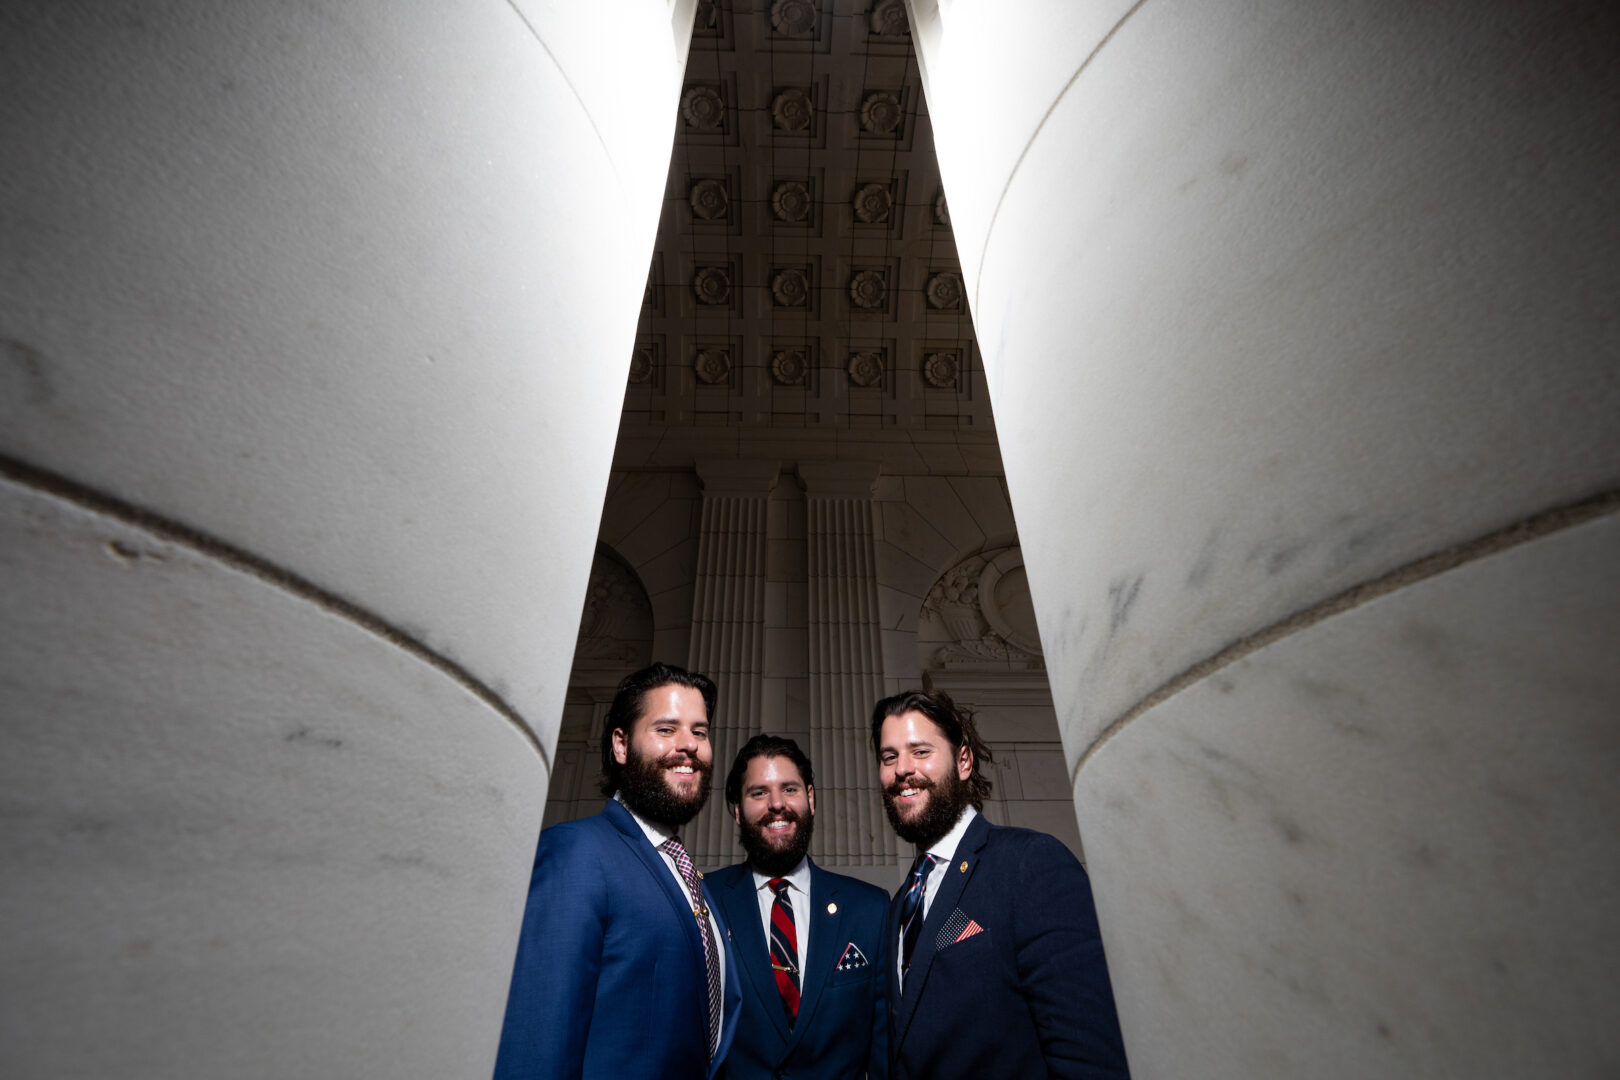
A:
(785, 948)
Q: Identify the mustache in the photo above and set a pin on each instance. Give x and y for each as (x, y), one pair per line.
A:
(919, 783)
(681, 757)
(789, 815)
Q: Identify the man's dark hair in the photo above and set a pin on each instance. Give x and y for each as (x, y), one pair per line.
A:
(953, 720)
(629, 701)
(765, 746)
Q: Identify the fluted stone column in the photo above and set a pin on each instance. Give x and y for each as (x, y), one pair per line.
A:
(845, 662)
(314, 323)
(1298, 324)
(728, 628)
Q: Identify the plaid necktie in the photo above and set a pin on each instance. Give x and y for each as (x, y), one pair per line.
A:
(785, 948)
(911, 907)
(711, 959)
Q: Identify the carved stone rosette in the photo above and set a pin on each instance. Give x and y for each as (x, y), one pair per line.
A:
(710, 202)
(703, 108)
(942, 212)
(881, 113)
(712, 284)
(791, 201)
(888, 19)
(868, 289)
(940, 369)
(789, 366)
(794, 18)
(707, 19)
(789, 288)
(866, 367)
(642, 362)
(944, 291)
(873, 202)
(792, 110)
(712, 366)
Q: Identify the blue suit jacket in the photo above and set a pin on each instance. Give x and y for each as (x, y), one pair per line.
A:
(1027, 993)
(608, 983)
(842, 1028)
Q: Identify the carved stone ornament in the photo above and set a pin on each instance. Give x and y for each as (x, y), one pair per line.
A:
(795, 18)
(616, 625)
(942, 212)
(940, 370)
(868, 289)
(873, 202)
(703, 108)
(792, 110)
(944, 291)
(880, 113)
(790, 288)
(978, 616)
(641, 364)
(866, 368)
(789, 366)
(712, 285)
(707, 18)
(709, 200)
(791, 201)
(712, 365)
(889, 19)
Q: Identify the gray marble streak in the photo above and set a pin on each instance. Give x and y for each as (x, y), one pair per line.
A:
(239, 836)
(1384, 846)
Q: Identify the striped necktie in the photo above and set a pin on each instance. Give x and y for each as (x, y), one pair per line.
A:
(785, 948)
(700, 910)
(911, 907)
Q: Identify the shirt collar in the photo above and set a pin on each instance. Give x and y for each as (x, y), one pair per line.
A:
(798, 877)
(656, 834)
(944, 849)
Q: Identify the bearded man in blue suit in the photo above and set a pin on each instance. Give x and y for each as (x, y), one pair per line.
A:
(998, 970)
(622, 969)
(809, 943)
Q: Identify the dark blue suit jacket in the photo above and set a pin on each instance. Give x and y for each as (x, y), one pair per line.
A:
(842, 1029)
(1024, 995)
(609, 980)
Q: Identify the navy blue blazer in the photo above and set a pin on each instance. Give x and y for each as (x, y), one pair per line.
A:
(842, 1028)
(1008, 978)
(609, 983)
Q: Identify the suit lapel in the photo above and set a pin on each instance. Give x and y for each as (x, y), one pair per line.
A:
(637, 841)
(829, 939)
(740, 901)
(957, 875)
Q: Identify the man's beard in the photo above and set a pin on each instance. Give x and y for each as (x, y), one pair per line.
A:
(944, 803)
(768, 858)
(644, 788)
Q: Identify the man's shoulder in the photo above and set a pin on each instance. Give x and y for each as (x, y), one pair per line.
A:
(585, 832)
(728, 875)
(1014, 843)
(853, 893)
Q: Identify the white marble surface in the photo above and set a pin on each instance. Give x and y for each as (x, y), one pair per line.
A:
(315, 281)
(1284, 296)
(241, 835)
(1384, 846)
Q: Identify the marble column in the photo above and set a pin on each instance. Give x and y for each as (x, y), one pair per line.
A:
(728, 628)
(314, 330)
(845, 663)
(1298, 325)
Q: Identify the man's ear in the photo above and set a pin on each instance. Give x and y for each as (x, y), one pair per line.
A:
(736, 812)
(964, 763)
(621, 746)
(810, 793)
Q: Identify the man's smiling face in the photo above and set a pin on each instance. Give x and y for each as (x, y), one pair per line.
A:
(776, 816)
(924, 778)
(666, 757)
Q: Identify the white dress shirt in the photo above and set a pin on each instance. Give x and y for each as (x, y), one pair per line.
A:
(656, 835)
(799, 893)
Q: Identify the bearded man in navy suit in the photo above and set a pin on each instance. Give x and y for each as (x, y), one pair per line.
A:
(997, 970)
(809, 943)
(622, 970)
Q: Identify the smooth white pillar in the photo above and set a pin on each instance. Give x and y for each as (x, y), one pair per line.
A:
(316, 320)
(1298, 325)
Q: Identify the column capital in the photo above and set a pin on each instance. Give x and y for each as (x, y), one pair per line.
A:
(839, 479)
(732, 476)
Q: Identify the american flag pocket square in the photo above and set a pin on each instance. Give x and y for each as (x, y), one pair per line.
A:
(957, 928)
(853, 959)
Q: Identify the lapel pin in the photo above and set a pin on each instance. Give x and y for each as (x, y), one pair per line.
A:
(832, 909)
(963, 867)
(700, 873)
